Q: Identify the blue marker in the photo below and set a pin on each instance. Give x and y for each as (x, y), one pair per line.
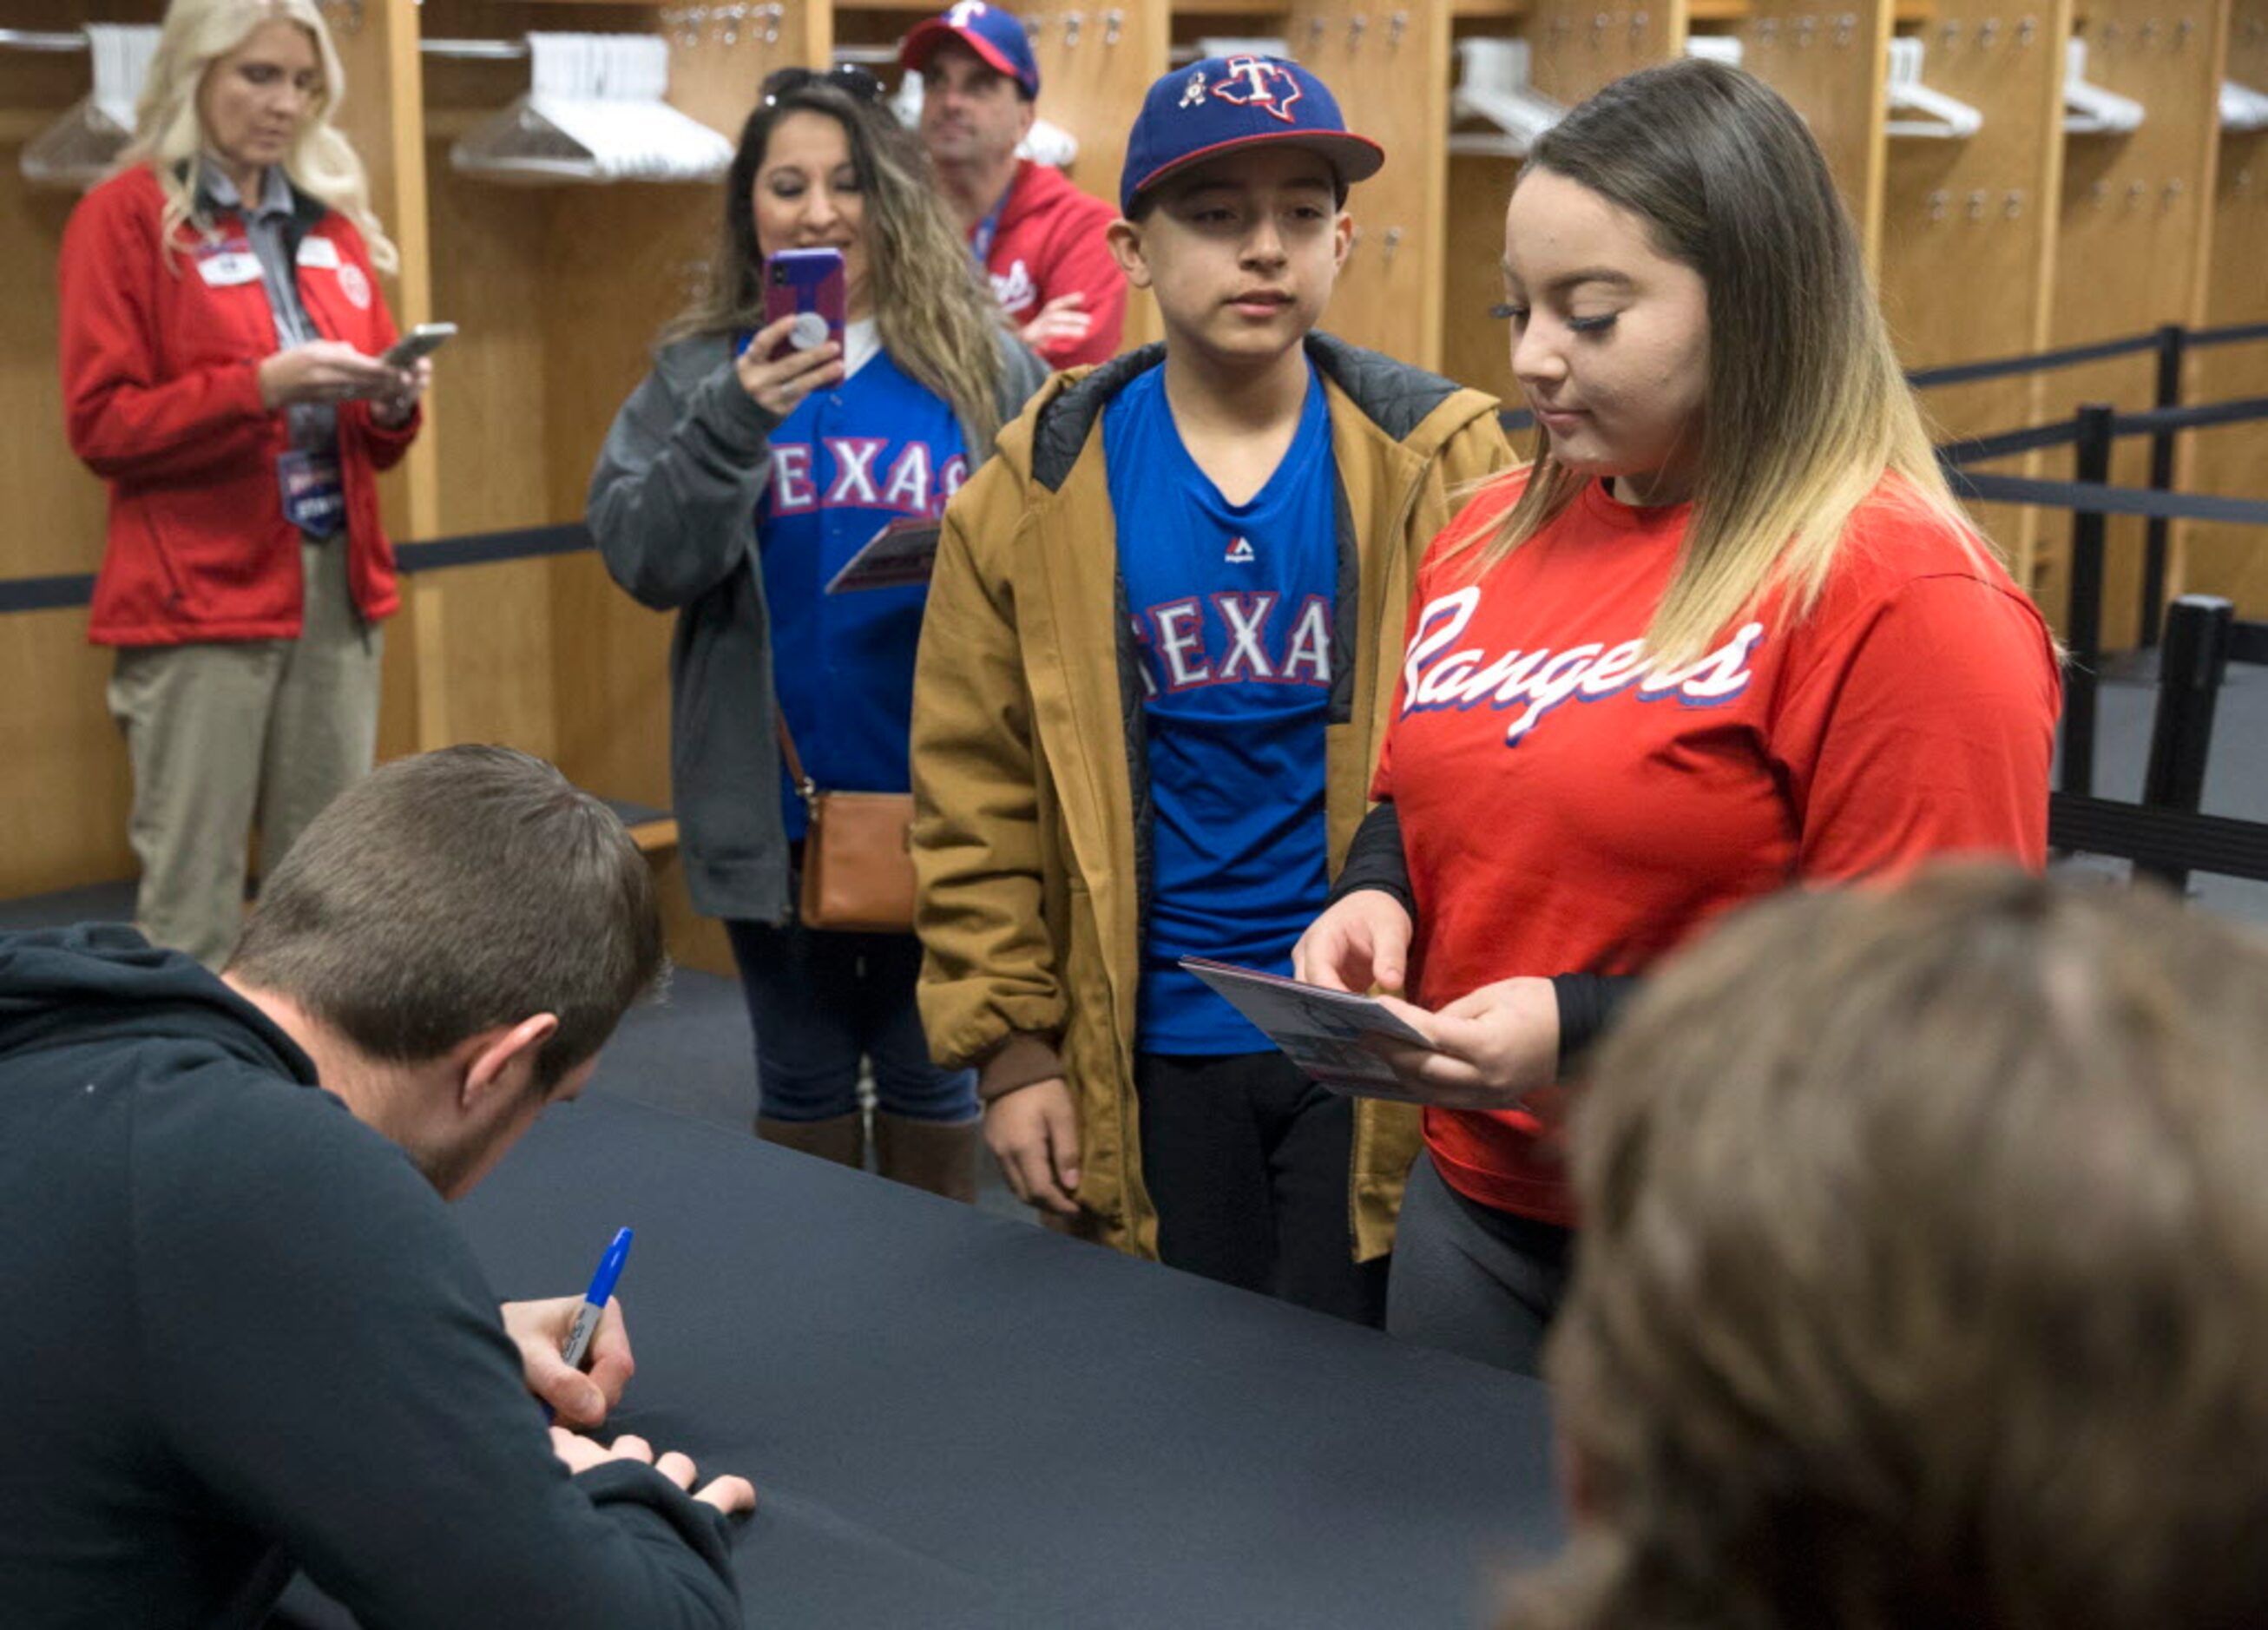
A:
(594, 1300)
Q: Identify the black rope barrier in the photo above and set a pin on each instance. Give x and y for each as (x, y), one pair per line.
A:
(1984, 449)
(2234, 334)
(479, 549)
(2158, 421)
(2088, 497)
(2159, 841)
(486, 549)
(2039, 362)
(45, 594)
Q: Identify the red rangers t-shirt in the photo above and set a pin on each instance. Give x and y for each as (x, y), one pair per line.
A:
(1567, 806)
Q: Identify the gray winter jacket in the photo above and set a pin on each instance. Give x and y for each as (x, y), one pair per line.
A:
(673, 505)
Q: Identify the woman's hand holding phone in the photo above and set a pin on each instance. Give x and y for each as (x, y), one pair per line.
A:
(325, 371)
(392, 411)
(776, 385)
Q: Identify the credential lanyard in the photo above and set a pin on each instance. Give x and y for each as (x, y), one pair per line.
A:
(980, 241)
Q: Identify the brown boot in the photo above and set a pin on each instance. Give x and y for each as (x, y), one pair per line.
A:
(936, 1155)
(842, 1139)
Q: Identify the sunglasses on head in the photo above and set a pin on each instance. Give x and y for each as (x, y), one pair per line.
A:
(848, 77)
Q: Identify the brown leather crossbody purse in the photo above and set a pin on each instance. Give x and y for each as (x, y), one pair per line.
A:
(857, 855)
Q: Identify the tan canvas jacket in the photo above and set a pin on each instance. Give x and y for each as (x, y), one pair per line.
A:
(1031, 829)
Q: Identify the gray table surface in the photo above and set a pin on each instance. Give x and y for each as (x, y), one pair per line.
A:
(954, 1419)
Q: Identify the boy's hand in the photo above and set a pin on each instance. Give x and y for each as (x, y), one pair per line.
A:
(1034, 1133)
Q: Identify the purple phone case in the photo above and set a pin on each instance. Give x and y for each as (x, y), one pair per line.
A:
(804, 280)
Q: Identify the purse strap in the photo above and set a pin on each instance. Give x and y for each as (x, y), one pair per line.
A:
(805, 788)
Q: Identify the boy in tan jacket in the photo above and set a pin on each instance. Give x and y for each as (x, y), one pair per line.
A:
(1155, 672)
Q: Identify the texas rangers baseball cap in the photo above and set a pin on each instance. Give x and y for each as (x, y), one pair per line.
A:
(998, 37)
(1223, 103)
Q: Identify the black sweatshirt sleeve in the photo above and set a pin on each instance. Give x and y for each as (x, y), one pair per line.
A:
(1589, 1003)
(328, 1363)
(1375, 860)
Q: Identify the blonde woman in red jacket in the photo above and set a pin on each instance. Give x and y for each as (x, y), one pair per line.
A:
(221, 325)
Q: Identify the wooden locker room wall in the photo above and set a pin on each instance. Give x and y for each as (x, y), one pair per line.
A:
(2133, 251)
(64, 797)
(1385, 64)
(2223, 559)
(1968, 228)
(1830, 62)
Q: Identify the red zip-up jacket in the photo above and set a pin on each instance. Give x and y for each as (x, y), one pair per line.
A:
(1050, 241)
(161, 398)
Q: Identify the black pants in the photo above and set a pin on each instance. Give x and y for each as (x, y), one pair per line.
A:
(1247, 1162)
(1472, 1280)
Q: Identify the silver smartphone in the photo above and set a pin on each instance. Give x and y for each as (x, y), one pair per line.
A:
(422, 340)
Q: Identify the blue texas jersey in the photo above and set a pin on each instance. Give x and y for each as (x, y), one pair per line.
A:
(846, 463)
(1231, 606)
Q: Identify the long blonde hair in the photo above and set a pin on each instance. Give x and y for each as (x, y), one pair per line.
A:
(1806, 409)
(169, 135)
(937, 321)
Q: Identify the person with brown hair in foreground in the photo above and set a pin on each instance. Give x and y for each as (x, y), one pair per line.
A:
(1923, 1274)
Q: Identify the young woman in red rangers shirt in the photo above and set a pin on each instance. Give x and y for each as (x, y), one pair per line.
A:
(1727, 633)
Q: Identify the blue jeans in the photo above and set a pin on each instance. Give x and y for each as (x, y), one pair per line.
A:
(822, 1001)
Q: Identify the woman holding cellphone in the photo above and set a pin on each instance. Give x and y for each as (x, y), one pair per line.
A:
(1727, 633)
(221, 337)
(740, 476)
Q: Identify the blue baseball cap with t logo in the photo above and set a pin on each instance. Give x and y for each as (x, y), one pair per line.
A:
(1223, 103)
(998, 37)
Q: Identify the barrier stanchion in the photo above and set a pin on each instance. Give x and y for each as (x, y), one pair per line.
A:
(2173, 345)
(2092, 467)
(2189, 673)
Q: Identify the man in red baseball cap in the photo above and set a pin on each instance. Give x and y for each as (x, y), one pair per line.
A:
(1039, 237)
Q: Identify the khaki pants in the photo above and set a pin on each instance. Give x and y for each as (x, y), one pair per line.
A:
(221, 735)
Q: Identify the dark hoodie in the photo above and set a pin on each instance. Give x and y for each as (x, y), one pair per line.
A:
(242, 1328)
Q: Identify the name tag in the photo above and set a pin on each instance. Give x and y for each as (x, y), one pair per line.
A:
(314, 501)
(228, 269)
(319, 251)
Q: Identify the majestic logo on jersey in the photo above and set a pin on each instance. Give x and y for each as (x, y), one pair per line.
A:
(1255, 81)
(1531, 683)
(847, 476)
(1245, 641)
(1240, 553)
(1014, 288)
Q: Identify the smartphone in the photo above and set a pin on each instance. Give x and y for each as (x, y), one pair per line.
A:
(807, 285)
(422, 340)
